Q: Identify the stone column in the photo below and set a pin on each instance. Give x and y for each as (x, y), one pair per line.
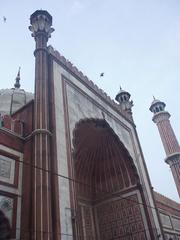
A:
(41, 22)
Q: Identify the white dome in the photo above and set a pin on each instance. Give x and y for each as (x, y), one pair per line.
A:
(13, 99)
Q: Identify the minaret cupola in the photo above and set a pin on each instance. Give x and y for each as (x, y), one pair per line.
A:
(157, 106)
(123, 98)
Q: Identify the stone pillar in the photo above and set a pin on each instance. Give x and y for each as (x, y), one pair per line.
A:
(41, 22)
(168, 137)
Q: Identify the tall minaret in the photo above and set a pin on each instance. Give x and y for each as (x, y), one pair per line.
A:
(168, 137)
(41, 22)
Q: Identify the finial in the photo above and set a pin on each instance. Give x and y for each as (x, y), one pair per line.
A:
(17, 84)
(120, 87)
(154, 97)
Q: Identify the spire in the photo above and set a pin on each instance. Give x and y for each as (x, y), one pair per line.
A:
(17, 84)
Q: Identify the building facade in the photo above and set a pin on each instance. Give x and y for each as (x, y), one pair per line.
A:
(71, 162)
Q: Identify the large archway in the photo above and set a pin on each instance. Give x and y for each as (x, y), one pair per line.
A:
(107, 186)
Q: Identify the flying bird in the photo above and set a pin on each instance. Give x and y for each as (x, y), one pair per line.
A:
(4, 19)
(102, 74)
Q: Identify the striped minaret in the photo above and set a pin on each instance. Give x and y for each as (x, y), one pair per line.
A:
(41, 22)
(168, 137)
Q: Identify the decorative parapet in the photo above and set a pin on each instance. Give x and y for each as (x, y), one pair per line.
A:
(74, 70)
(13, 125)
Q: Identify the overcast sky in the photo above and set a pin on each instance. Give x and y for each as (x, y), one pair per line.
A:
(136, 43)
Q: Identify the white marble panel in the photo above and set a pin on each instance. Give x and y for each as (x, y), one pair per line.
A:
(81, 107)
(64, 194)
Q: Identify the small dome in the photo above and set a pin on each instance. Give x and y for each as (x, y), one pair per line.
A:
(155, 101)
(13, 99)
(122, 94)
(157, 105)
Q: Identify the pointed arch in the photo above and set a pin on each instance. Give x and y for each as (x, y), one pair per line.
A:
(107, 186)
(103, 165)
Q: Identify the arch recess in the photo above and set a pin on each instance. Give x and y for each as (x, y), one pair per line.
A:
(104, 172)
(102, 163)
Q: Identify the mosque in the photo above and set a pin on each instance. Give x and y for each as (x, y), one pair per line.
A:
(71, 164)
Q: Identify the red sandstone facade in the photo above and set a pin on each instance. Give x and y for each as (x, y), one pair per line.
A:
(71, 163)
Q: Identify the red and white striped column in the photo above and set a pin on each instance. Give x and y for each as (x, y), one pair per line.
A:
(41, 22)
(168, 137)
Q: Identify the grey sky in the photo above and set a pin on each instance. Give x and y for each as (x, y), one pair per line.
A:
(135, 42)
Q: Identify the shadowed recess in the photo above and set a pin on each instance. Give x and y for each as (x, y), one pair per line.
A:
(102, 163)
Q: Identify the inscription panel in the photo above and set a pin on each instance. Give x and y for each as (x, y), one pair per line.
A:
(7, 170)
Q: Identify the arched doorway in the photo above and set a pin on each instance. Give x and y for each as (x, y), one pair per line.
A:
(107, 186)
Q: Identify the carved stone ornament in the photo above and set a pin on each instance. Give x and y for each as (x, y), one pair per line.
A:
(41, 23)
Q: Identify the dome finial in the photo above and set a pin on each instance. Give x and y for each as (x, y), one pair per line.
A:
(17, 84)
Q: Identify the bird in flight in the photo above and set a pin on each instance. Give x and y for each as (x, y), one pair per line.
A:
(102, 74)
(4, 19)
